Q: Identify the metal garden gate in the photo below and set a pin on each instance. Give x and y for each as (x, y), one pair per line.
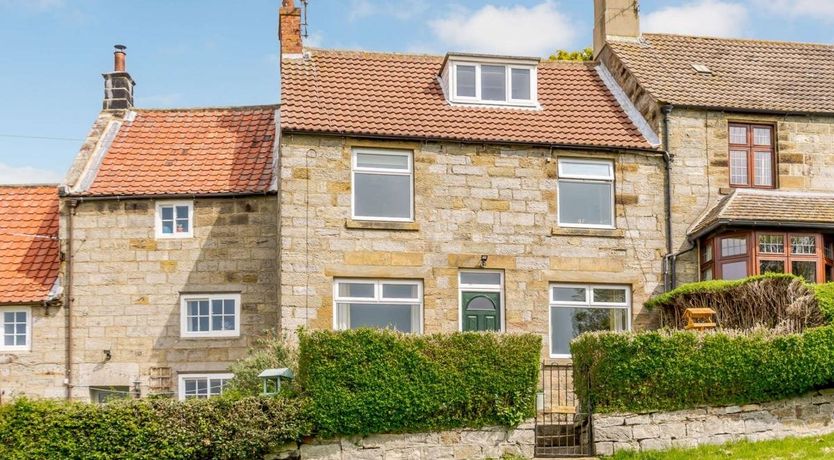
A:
(564, 425)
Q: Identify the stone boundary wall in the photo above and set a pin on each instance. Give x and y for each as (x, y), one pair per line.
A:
(808, 415)
(464, 443)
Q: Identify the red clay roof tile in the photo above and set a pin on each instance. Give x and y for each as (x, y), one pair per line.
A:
(29, 251)
(190, 151)
(398, 95)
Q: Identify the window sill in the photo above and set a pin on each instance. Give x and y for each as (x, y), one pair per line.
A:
(595, 232)
(382, 225)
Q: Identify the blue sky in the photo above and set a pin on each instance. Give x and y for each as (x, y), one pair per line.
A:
(221, 52)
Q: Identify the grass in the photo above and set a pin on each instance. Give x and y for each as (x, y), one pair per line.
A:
(818, 447)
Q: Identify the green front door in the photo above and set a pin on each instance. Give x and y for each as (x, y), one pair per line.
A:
(481, 311)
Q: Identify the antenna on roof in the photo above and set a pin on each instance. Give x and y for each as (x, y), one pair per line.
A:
(304, 23)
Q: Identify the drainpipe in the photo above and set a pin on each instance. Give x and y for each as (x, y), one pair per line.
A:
(669, 275)
(68, 303)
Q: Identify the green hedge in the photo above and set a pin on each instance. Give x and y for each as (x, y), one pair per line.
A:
(712, 286)
(376, 381)
(218, 428)
(663, 370)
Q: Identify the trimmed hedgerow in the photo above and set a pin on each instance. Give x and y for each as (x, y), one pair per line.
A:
(669, 370)
(380, 381)
(825, 300)
(218, 428)
(785, 303)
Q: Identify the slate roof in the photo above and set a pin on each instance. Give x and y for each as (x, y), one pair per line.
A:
(29, 251)
(746, 74)
(768, 206)
(398, 95)
(189, 151)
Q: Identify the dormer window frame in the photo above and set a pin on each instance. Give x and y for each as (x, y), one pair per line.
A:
(478, 100)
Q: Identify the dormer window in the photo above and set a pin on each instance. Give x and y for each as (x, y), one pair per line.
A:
(487, 80)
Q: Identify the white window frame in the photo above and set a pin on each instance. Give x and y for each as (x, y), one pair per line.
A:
(508, 92)
(185, 376)
(588, 303)
(341, 321)
(409, 171)
(464, 287)
(185, 298)
(586, 178)
(158, 219)
(16, 309)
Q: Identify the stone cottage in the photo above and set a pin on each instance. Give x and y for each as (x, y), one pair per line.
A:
(749, 126)
(32, 328)
(169, 227)
(464, 192)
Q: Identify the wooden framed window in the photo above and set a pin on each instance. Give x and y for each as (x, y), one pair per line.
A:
(752, 159)
(732, 256)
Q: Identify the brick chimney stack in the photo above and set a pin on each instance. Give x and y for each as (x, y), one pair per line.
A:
(118, 86)
(289, 27)
(615, 19)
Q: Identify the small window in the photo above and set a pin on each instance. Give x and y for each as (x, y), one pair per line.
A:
(396, 304)
(210, 315)
(494, 84)
(751, 156)
(575, 309)
(586, 193)
(174, 219)
(202, 385)
(106, 394)
(383, 185)
(17, 328)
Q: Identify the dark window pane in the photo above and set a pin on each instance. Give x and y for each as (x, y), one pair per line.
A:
(167, 212)
(216, 323)
(182, 226)
(806, 269)
(356, 290)
(182, 212)
(381, 196)
(204, 323)
(483, 278)
(465, 80)
(167, 227)
(381, 316)
(493, 83)
(733, 247)
(771, 266)
(609, 295)
(521, 84)
(585, 203)
(399, 291)
(229, 307)
(569, 294)
(480, 303)
(567, 323)
(217, 307)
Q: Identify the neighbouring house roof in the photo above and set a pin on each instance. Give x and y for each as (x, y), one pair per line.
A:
(29, 251)
(185, 151)
(768, 207)
(744, 74)
(399, 95)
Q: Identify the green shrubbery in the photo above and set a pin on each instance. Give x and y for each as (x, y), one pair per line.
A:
(217, 428)
(271, 351)
(668, 370)
(372, 381)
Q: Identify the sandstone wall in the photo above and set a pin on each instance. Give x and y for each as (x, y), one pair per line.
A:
(812, 414)
(469, 201)
(127, 285)
(489, 442)
(38, 372)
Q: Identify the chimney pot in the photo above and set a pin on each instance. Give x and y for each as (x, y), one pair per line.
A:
(119, 58)
(118, 86)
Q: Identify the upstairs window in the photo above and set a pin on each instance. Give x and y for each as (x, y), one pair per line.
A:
(492, 83)
(215, 315)
(16, 329)
(586, 193)
(174, 219)
(752, 162)
(383, 185)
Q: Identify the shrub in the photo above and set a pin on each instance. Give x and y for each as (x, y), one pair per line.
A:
(669, 370)
(217, 428)
(270, 351)
(782, 302)
(376, 381)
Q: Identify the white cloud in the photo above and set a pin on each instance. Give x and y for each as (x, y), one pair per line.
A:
(715, 18)
(537, 30)
(400, 9)
(815, 9)
(28, 175)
